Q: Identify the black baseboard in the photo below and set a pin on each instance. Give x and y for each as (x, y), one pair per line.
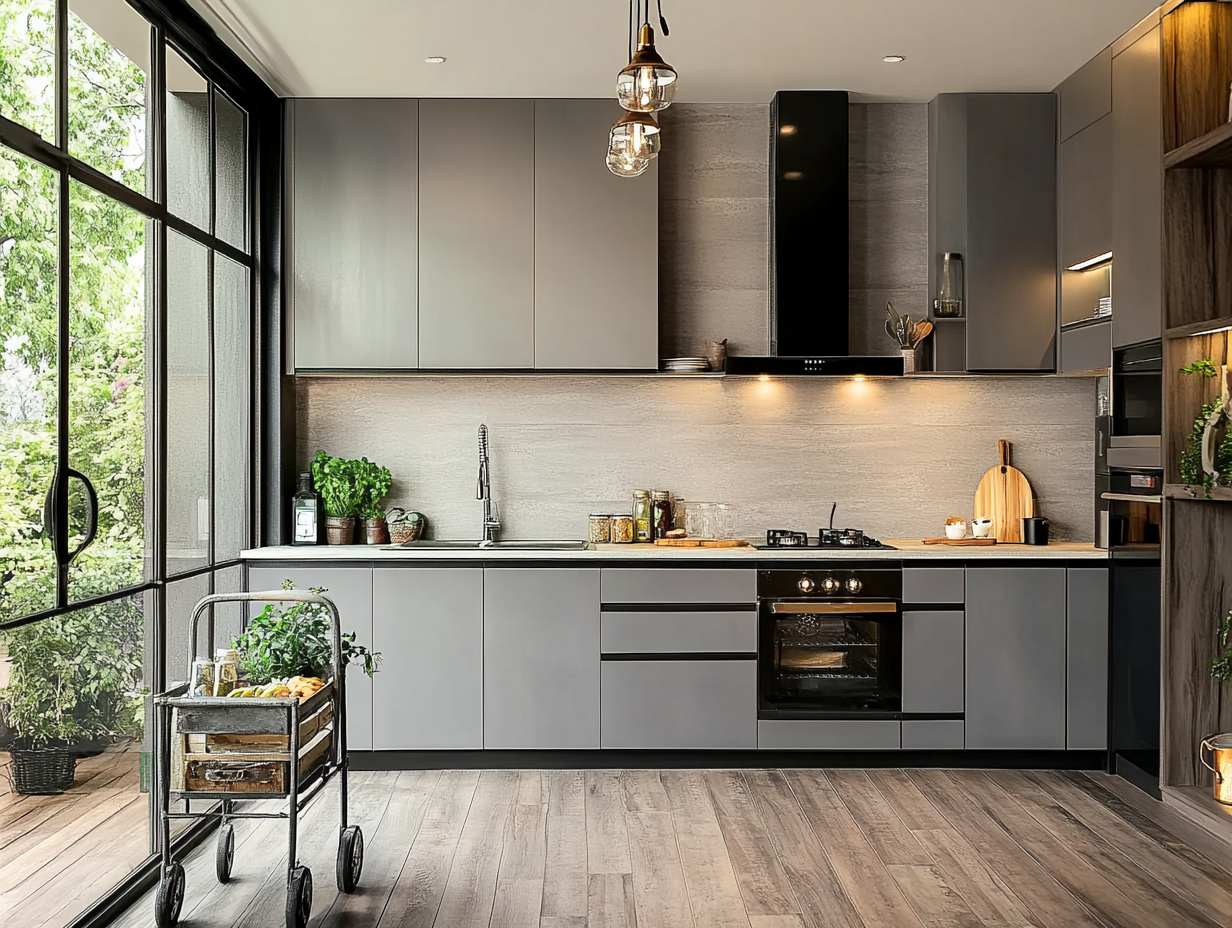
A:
(690, 760)
(1130, 772)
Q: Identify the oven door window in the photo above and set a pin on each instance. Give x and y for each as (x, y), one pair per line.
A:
(833, 663)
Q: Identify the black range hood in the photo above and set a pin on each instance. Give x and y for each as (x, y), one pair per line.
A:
(810, 228)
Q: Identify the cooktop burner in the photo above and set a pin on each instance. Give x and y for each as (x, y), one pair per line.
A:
(849, 538)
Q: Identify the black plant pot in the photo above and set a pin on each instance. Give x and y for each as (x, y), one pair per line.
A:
(42, 771)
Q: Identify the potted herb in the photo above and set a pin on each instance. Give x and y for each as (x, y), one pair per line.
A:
(374, 482)
(335, 480)
(296, 640)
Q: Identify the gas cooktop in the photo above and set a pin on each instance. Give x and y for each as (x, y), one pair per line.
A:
(826, 539)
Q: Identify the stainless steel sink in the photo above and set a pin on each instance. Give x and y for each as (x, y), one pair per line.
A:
(441, 545)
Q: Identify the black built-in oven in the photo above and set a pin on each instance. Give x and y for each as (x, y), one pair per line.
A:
(830, 643)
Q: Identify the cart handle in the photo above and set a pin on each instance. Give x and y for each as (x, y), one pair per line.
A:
(268, 596)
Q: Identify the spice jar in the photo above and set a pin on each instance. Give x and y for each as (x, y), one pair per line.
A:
(662, 509)
(600, 528)
(643, 519)
(622, 530)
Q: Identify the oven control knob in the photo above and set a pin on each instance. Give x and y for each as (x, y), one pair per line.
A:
(854, 585)
(830, 585)
(806, 584)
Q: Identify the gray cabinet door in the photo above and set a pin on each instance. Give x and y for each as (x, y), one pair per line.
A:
(541, 658)
(352, 210)
(1086, 96)
(1011, 247)
(428, 625)
(679, 705)
(1015, 655)
(1086, 348)
(933, 661)
(351, 590)
(1086, 194)
(1086, 714)
(477, 234)
(1137, 193)
(589, 222)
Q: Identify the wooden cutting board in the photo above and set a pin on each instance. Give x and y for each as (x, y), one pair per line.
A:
(970, 542)
(700, 543)
(1004, 495)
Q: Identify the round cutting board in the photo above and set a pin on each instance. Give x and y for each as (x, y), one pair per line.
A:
(1004, 495)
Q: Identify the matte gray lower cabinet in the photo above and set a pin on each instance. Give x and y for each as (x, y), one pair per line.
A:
(351, 590)
(428, 625)
(933, 661)
(1086, 658)
(541, 658)
(1015, 658)
(691, 704)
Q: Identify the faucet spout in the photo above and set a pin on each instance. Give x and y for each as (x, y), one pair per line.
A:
(491, 524)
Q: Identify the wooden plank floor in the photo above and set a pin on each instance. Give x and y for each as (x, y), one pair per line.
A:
(733, 849)
(60, 854)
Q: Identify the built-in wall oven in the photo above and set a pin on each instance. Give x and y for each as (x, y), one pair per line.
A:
(830, 643)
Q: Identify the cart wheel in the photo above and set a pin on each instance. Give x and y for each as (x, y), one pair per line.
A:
(224, 853)
(299, 898)
(169, 898)
(350, 858)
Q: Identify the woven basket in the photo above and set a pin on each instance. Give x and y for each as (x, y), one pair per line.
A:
(43, 772)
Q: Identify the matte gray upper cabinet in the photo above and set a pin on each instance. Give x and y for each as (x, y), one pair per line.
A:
(352, 211)
(541, 658)
(350, 588)
(1015, 656)
(477, 234)
(428, 625)
(1086, 194)
(1086, 96)
(992, 199)
(1137, 193)
(589, 224)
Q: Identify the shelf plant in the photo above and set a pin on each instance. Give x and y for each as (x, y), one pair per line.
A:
(373, 482)
(1193, 474)
(336, 480)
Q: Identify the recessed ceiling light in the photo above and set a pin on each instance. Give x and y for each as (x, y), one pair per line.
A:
(435, 59)
(894, 59)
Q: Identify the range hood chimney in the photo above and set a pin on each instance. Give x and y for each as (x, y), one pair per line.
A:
(810, 228)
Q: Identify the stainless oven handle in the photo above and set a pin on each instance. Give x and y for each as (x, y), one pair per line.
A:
(831, 608)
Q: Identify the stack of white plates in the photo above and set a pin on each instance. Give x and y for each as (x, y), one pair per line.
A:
(686, 365)
(1105, 307)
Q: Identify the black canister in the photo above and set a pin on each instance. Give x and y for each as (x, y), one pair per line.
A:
(1035, 531)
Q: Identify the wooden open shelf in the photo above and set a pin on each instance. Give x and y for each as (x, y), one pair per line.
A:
(1207, 327)
(1213, 150)
(1180, 491)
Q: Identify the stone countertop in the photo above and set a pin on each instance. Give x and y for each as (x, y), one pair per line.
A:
(906, 551)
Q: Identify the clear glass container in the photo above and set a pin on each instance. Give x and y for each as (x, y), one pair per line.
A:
(622, 530)
(201, 678)
(643, 519)
(661, 513)
(600, 532)
(949, 302)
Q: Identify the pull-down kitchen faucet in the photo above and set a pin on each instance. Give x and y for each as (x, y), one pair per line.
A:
(491, 524)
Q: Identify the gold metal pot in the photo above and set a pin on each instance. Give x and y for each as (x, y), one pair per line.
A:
(1219, 749)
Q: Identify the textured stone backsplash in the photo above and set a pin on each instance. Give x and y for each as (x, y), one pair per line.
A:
(899, 456)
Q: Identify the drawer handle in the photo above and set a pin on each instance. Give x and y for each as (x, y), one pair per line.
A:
(831, 608)
(233, 775)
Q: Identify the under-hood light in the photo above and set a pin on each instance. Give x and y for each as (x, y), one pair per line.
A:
(1092, 263)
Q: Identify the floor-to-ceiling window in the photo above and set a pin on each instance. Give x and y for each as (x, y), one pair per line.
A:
(127, 319)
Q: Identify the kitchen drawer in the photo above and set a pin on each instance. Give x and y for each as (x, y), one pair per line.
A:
(679, 586)
(679, 632)
(842, 735)
(934, 735)
(934, 585)
(695, 705)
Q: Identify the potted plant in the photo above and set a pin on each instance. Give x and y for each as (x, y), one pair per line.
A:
(335, 480)
(1194, 471)
(908, 333)
(293, 640)
(374, 483)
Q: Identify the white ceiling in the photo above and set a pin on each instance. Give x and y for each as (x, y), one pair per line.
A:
(725, 51)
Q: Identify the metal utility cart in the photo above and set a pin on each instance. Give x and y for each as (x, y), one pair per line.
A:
(275, 748)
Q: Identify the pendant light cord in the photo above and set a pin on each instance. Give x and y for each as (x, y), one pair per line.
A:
(662, 21)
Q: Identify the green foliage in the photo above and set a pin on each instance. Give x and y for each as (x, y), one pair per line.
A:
(296, 641)
(1205, 368)
(336, 480)
(373, 482)
(1192, 473)
(1221, 667)
(76, 677)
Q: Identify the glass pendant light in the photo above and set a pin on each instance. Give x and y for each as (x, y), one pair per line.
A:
(648, 83)
(623, 164)
(638, 134)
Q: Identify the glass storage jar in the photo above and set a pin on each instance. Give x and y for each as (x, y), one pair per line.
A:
(600, 528)
(662, 503)
(643, 518)
(622, 530)
(226, 671)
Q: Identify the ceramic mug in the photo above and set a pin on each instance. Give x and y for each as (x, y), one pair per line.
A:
(956, 530)
(981, 528)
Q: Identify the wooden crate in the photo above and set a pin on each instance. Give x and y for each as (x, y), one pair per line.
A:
(253, 772)
(309, 728)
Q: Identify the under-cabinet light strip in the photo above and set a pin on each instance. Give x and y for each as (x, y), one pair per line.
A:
(1092, 263)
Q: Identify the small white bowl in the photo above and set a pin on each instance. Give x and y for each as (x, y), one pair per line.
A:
(956, 531)
(981, 528)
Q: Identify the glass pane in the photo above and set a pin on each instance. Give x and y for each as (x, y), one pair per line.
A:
(231, 426)
(108, 68)
(188, 142)
(109, 440)
(228, 617)
(182, 596)
(27, 64)
(188, 404)
(231, 172)
(73, 688)
(29, 217)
